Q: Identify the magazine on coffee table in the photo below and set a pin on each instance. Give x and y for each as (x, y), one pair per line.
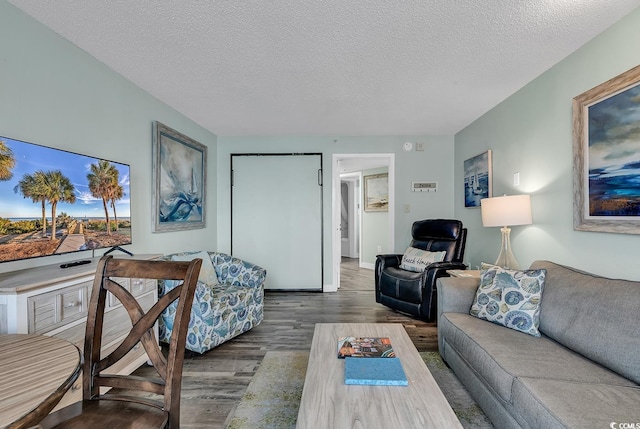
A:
(365, 347)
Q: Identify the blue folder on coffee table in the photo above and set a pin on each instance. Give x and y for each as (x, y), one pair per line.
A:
(374, 372)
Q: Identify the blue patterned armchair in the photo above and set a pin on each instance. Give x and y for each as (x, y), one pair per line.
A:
(219, 312)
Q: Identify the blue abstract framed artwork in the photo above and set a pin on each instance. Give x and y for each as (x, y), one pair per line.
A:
(606, 161)
(179, 177)
(477, 179)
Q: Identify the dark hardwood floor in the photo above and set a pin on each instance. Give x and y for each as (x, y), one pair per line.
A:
(214, 382)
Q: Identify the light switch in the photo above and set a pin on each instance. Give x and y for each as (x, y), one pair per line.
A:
(407, 208)
(516, 179)
(420, 146)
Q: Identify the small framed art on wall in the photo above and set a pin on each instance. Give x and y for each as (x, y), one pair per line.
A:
(477, 179)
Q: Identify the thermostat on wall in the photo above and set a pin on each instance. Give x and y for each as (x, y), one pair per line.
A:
(424, 186)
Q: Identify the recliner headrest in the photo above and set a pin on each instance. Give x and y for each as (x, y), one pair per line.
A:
(436, 229)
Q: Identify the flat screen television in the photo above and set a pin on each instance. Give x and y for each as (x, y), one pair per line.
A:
(54, 202)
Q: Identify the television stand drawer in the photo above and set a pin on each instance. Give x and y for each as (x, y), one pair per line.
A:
(52, 309)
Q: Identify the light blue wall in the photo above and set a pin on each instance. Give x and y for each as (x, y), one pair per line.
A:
(434, 164)
(375, 228)
(531, 133)
(54, 94)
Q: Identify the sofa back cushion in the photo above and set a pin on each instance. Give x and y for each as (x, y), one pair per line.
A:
(594, 316)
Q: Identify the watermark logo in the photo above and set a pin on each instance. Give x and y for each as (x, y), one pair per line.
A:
(627, 425)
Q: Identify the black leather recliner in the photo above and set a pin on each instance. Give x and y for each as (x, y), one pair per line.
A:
(415, 293)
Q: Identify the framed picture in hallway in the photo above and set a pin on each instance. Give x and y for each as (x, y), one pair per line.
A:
(179, 181)
(606, 156)
(477, 179)
(376, 193)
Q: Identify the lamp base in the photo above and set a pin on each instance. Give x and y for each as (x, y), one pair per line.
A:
(505, 258)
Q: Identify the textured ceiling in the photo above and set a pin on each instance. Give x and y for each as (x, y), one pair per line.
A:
(329, 67)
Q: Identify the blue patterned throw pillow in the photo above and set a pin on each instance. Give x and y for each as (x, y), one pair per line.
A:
(510, 298)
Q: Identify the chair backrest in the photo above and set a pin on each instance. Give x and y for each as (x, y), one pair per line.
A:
(437, 235)
(108, 273)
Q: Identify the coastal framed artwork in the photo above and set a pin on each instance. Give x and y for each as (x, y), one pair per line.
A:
(376, 193)
(606, 156)
(478, 181)
(179, 181)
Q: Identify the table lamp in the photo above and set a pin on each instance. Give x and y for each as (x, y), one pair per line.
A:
(506, 211)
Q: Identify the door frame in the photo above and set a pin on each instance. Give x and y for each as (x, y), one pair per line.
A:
(336, 251)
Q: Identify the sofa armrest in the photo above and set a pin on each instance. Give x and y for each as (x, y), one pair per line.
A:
(456, 294)
(235, 271)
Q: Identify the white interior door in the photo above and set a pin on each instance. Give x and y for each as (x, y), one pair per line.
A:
(345, 232)
(276, 217)
(350, 214)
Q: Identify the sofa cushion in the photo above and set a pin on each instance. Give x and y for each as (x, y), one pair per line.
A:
(510, 298)
(417, 260)
(500, 355)
(227, 299)
(207, 273)
(572, 313)
(545, 403)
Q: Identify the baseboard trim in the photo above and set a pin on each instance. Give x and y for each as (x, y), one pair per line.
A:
(329, 288)
(367, 265)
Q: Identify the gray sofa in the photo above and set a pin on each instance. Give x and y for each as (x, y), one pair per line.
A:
(582, 373)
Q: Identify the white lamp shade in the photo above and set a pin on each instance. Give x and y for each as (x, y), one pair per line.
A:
(506, 211)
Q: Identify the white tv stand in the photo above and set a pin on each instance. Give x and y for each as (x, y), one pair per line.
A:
(53, 301)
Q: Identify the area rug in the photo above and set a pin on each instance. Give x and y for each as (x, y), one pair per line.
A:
(273, 396)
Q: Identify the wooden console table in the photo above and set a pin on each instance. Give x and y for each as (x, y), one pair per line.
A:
(36, 371)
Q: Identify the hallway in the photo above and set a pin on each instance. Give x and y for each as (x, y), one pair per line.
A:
(353, 277)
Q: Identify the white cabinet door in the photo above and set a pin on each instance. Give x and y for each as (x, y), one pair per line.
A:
(276, 217)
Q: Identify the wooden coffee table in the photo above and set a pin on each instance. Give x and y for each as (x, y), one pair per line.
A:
(327, 402)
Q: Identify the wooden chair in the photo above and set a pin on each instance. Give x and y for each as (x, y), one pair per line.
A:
(121, 409)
